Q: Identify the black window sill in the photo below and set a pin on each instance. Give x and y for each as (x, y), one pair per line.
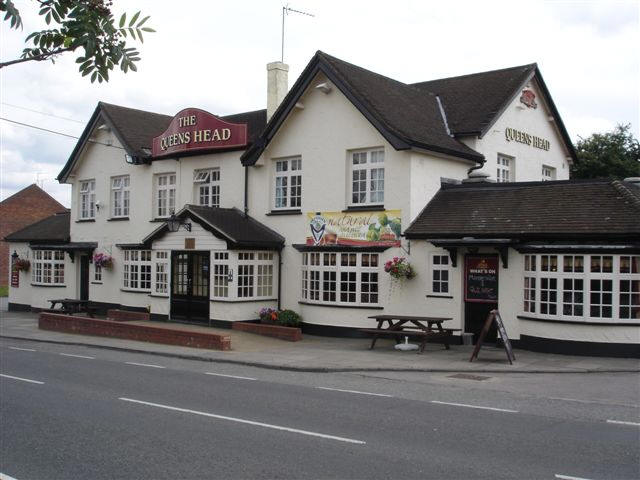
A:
(158, 220)
(117, 219)
(284, 212)
(439, 296)
(579, 322)
(364, 208)
(45, 285)
(86, 220)
(159, 295)
(131, 290)
(96, 283)
(340, 305)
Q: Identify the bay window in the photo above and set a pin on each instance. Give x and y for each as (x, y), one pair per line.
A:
(288, 183)
(137, 270)
(343, 278)
(243, 275)
(603, 288)
(48, 267)
(367, 177)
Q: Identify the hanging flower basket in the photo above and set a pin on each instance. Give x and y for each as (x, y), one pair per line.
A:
(22, 265)
(399, 268)
(103, 260)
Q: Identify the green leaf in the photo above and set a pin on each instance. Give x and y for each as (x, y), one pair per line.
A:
(142, 22)
(48, 18)
(148, 29)
(93, 77)
(132, 33)
(133, 19)
(123, 19)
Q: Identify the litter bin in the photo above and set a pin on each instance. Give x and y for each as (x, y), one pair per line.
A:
(467, 338)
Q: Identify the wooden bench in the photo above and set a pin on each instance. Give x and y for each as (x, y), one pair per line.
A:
(446, 334)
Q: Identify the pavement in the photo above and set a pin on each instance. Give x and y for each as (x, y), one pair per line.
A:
(326, 354)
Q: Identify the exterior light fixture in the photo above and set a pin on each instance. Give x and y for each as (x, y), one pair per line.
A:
(14, 256)
(174, 224)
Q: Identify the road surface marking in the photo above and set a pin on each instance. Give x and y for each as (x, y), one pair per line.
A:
(355, 391)
(569, 477)
(620, 422)
(597, 402)
(229, 376)
(77, 356)
(22, 349)
(22, 379)
(248, 422)
(475, 406)
(4, 476)
(145, 365)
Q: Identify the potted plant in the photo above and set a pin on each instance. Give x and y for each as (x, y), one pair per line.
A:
(103, 260)
(268, 315)
(399, 268)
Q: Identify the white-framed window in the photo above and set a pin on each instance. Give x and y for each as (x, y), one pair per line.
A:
(48, 267)
(207, 187)
(582, 287)
(367, 177)
(440, 274)
(255, 274)
(220, 275)
(137, 270)
(161, 272)
(341, 278)
(97, 273)
(548, 173)
(87, 200)
(120, 196)
(505, 171)
(165, 194)
(287, 183)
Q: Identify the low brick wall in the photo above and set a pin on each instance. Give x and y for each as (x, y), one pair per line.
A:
(283, 333)
(126, 315)
(141, 333)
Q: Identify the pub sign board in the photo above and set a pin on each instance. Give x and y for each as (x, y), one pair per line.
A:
(481, 278)
(359, 229)
(193, 130)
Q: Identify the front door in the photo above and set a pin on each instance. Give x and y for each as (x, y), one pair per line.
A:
(480, 293)
(190, 286)
(84, 277)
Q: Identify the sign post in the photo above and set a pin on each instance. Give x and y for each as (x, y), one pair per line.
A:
(494, 316)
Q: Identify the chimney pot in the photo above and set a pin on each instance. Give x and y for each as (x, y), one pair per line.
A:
(277, 85)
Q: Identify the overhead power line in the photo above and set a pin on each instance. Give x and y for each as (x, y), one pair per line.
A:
(41, 113)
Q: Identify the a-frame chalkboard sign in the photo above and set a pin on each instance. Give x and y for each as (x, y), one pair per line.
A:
(494, 316)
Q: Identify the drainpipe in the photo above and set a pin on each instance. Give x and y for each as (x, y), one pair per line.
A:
(476, 167)
(246, 191)
(279, 275)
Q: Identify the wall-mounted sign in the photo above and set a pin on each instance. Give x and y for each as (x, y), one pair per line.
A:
(481, 278)
(193, 129)
(357, 228)
(514, 135)
(15, 274)
(529, 99)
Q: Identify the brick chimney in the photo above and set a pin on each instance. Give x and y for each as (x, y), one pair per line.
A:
(277, 85)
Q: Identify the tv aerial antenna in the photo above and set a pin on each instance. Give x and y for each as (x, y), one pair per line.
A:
(285, 11)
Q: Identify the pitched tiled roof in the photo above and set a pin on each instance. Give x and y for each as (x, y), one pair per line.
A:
(529, 210)
(473, 101)
(51, 229)
(230, 224)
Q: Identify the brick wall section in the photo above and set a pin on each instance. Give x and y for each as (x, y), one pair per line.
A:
(28, 206)
(141, 333)
(283, 333)
(127, 316)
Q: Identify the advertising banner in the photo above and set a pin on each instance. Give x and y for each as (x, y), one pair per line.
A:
(481, 278)
(355, 228)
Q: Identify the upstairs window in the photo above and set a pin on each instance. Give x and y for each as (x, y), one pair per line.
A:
(165, 194)
(120, 196)
(87, 199)
(506, 169)
(367, 177)
(288, 183)
(548, 173)
(207, 186)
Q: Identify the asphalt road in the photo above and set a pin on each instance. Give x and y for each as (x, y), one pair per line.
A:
(95, 414)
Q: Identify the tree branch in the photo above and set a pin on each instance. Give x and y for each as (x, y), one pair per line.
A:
(38, 58)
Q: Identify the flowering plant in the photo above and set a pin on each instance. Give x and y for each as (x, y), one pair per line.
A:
(103, 260)
(22, 264)
(399, 268)
(268, 315)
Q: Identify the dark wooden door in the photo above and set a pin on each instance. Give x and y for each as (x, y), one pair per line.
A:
(190, 286)
(84, 277)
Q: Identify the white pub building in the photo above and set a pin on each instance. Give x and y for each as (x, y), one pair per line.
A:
(207, 219)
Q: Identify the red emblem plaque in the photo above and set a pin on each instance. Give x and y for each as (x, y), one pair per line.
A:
(529, 99)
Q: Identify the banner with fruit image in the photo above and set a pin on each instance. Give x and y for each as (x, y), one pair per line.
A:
(357, 228)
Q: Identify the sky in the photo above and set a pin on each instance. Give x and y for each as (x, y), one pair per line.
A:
(212, 54)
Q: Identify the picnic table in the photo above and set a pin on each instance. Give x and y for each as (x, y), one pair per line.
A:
(71, 306)
(398, 326)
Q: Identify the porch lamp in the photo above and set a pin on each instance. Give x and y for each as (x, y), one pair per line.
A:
(174, 224)
(14, 256)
